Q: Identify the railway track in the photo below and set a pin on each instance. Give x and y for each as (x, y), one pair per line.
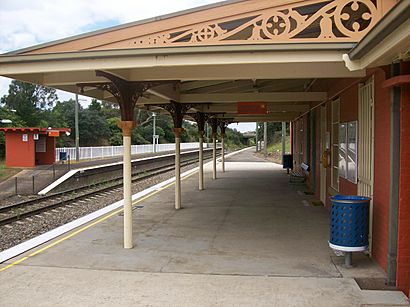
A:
(26, 209)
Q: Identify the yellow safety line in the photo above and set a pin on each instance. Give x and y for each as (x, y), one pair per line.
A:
(91, 225)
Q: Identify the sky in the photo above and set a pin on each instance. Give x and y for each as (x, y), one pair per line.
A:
(25, 23)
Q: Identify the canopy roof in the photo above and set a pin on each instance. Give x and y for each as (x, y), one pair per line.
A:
(34, 129)
(214, 56)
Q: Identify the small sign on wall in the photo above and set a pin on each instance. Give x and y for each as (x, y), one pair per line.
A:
(35, 136)
(25, 137)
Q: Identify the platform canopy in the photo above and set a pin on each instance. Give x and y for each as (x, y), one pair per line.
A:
(213, 57)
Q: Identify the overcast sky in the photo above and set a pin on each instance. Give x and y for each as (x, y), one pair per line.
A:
(26, 23)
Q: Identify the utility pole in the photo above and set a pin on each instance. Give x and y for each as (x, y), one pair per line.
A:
(77, 132)
(265, 139)
(154, 135)
(283, 140)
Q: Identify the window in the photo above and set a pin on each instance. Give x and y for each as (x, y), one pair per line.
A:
(342, 150)
(348, 151)
(335, 144)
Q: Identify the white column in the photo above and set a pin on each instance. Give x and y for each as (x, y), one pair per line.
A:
(223, 152)
(283, 139)
(201, 160)
(214, 156)
(257, 138)
(126, 127)
(177, 132)
(265, 139)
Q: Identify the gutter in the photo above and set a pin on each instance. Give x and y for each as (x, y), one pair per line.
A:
(380, 40)
(398, 15)
(164, 51)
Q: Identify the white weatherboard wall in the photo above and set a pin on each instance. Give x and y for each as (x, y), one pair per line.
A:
(87, 153)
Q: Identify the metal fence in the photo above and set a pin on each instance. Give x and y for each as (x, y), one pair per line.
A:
(101, 152)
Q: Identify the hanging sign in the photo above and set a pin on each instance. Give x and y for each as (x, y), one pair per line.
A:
(252, 108)
(54, 133)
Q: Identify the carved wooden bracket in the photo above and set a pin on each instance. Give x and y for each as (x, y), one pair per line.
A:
(125, 92)
(312, 21)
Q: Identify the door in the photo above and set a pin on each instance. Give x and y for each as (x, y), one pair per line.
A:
(323, 148)
(365, 146)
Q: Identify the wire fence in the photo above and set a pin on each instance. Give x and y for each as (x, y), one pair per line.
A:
(101, 152)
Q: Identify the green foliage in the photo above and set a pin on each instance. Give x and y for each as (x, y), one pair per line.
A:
(28, 101)
(234, 139)
(274, 130)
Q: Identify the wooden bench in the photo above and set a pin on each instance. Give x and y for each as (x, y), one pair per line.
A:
(299, 176)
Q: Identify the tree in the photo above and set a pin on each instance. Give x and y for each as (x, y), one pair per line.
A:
(28, 101)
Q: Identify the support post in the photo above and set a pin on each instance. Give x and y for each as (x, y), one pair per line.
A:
(214, 126)
(223, 152)
(154, 134)
(265, 139)
(283, 140)
(177, 111)
(348, 259)
(200, 119)
(126, 93)
(222, 126)
(201, 160)
(257, 137)
(394, 179)
(178, 132)
(77, 131)
(126, 127)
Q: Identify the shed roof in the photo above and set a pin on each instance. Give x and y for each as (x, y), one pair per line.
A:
(34, 129)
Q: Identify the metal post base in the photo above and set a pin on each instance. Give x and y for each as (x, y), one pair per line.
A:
(348, 259)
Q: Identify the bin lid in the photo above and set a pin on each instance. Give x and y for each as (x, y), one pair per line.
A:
(350, 198)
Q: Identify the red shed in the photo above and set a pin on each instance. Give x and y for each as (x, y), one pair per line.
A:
(28, 147)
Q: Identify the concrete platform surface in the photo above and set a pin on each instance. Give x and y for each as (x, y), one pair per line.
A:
(248, 239)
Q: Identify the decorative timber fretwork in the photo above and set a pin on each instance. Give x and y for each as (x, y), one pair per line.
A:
(177, 111)
(304, 21)
(200, 119)
(125, 92)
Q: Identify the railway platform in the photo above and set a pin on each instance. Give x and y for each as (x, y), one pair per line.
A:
(249, 238)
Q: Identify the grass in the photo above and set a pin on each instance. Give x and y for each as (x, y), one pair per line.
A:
(277, 146)
(6, 173)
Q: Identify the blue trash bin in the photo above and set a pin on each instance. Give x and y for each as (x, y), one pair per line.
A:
(288, 161)
(63, 156)
(349, 229)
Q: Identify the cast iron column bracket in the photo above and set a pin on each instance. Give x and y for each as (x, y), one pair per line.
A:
(177, 111)
(125, 92)
(200, 119)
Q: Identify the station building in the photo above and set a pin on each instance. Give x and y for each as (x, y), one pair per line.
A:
(337, 70)
(28, 147)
